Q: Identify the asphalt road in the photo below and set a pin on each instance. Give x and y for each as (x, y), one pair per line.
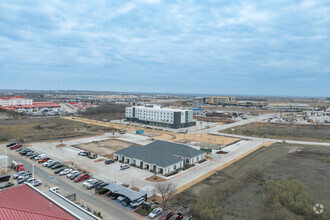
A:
(108, 209)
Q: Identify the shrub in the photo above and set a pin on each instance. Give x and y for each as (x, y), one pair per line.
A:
(102, 191)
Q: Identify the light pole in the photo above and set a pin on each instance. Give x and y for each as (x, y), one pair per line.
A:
(6, 160)
(33, 174)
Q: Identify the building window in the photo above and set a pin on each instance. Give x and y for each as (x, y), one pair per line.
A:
(175, 167)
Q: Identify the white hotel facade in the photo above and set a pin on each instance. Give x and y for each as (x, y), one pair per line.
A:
(162, 117)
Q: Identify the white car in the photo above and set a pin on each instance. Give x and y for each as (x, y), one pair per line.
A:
(55, 189)
(156, 212)
(124, 166)
(35, 182)
(137, 203)
(88, 183)
(72, 173)
(65, 172)
(47, 162)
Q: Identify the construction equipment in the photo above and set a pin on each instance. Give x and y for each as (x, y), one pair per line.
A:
(18, 166)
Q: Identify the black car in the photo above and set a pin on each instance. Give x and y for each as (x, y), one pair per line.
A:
(101, 185)
(58, 165)
(74, 176)
(6, 185)
(59, 170)
(52, 164)
(11, 144)
(109, 161)
(24, 152)
(114, 196)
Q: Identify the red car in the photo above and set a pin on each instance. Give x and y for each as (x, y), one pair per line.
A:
(16, 146)
(43, 160)
(166, 215)
(176, 216)
(82, 177)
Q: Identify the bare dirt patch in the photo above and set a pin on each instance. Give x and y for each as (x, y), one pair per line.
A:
(155, 179)
(104, 148)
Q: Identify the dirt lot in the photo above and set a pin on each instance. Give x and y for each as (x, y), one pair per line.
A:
(241, 191)
(213, 119)
(164, 135)
(35, 129)
(319, 133)
(104, 147)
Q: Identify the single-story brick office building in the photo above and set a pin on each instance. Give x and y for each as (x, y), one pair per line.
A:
(162, 156)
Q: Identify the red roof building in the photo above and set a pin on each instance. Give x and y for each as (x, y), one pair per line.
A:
(15, 102)
(25, 202)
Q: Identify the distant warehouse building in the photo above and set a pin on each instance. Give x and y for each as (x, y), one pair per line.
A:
(162, 117)
(160, 156)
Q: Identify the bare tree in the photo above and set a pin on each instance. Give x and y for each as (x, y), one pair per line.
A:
(165, 190)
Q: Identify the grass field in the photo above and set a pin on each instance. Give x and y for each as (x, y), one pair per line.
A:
(281, 181)
(319, 133)
(35, 129)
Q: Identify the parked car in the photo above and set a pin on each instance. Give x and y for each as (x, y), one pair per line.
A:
(30, 180)
(89, 183)
(124, 166)
(176, 216)
(137, 203)
(65, 171)
(6, 185)
(72, 173)
(44, 164)
(11, 144)
(156, 212)
(101, 185)
(52, 164)
(126, 202)
(58, 170)
(43, 160)
(83, 153)
(55, 189)
(186, 218)
(34, 155)
(82, 177)
(16, 175)
(27, 174)
(36, 183)
(16, 146)
(29, 153)
(73, 176)
(24, 152)
(20, 149)
(166, 215)
(114, 196)
(109, 161)
(58, 165)
(40, 156)
(23, 179)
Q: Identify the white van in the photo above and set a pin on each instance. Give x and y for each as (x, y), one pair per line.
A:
(55, 189)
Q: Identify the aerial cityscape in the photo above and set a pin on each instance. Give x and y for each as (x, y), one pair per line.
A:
(153, 109)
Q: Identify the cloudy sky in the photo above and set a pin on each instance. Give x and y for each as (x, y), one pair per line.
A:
(273, 47)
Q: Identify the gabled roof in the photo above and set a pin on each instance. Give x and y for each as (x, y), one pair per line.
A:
(10, 213)
(161, 153)
(25, 199)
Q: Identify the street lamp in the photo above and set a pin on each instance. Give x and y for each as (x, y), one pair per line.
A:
(33, 174)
